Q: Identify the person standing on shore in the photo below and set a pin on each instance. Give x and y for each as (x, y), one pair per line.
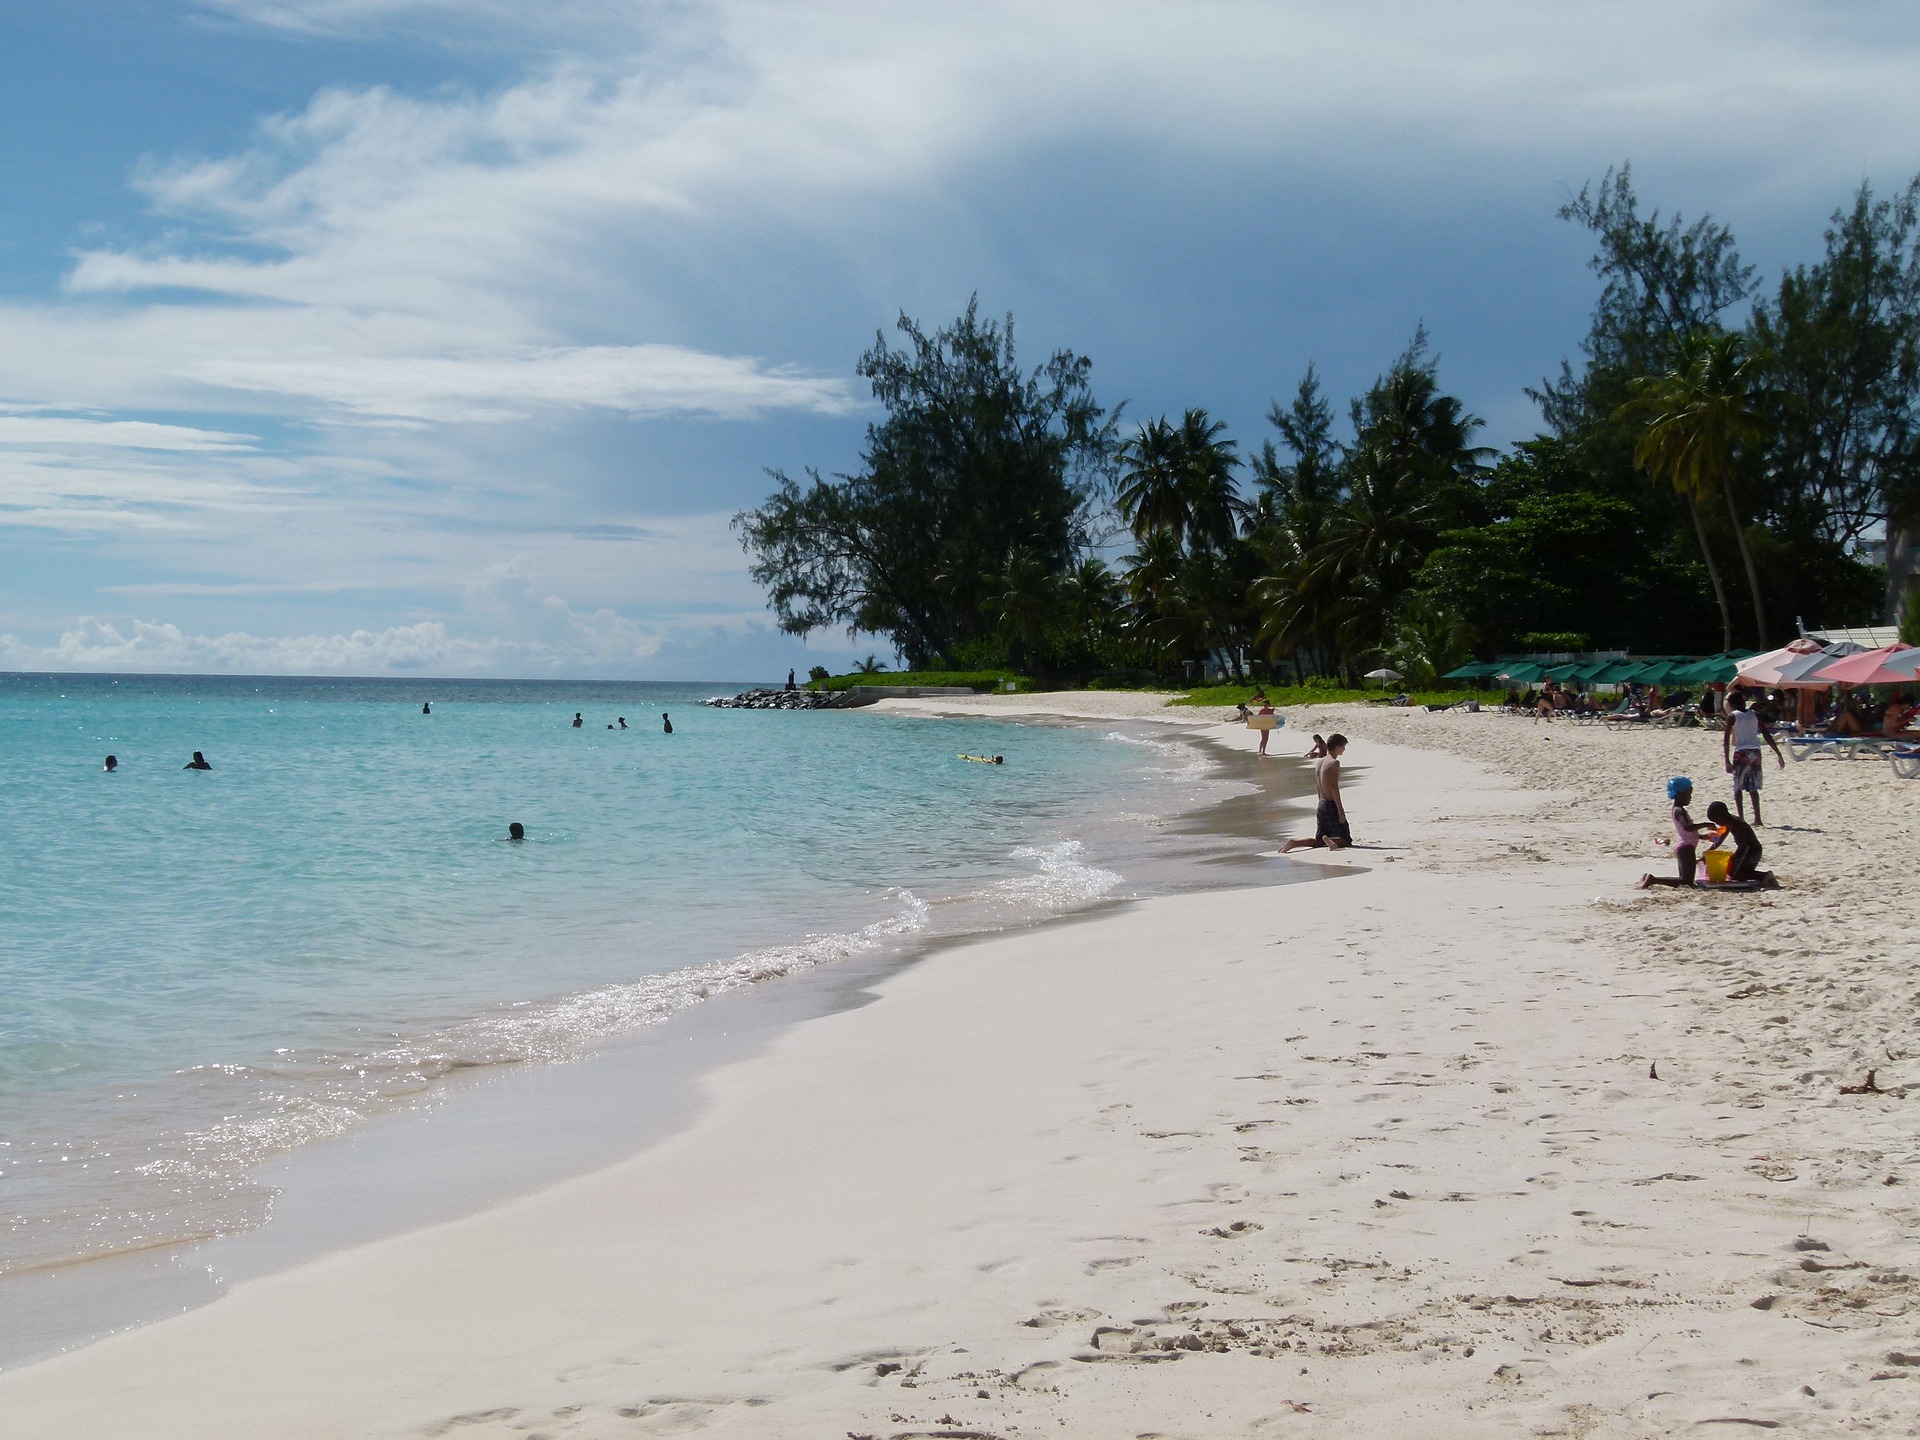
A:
(1740, 748)
(1265, 713)
(1330, 828)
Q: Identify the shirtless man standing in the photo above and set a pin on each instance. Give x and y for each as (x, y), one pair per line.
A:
(1330, 830)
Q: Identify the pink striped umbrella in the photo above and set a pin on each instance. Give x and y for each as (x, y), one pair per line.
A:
(1871, 667)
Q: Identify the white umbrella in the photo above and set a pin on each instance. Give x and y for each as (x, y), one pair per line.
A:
(1383, 676)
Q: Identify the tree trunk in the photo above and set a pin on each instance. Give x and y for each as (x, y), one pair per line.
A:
(1713, 574)
(1903, 550)
(1746, 559)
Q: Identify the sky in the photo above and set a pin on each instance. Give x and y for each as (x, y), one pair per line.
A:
(444, 337)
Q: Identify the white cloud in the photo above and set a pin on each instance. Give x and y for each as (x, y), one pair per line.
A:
(374, 272)
(638, 380)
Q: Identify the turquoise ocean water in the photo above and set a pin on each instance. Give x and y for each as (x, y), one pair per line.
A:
(203, 969)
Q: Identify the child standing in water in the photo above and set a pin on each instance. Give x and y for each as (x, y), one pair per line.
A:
(1686, 838)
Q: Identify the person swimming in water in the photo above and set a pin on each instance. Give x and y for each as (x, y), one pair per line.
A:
(623, 722)
(113, 764)
(426, 707)
(199, 762)
(577, 721)
(516, 831)
(666, 723)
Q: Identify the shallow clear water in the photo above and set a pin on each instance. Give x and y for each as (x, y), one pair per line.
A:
(203, 968)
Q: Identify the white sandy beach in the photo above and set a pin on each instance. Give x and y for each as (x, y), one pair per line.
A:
(1381, 1155)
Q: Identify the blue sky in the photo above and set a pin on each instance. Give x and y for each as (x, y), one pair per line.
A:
(443, 336)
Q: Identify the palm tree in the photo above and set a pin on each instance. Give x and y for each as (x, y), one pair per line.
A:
(1092, 597)
(1023, 601)
(1206, 462)
(1151, 495)
(1409, 470)
(869, 666)
(1287, 525)
(1699, 415)
(1152, 585)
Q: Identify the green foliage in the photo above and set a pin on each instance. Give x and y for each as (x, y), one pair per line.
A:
(979, 680)
(869, 666)
(972, 537)
(1842, 344)
(973, 459)
(1590, 564)
(1699, 414)
(1555, 642)
(818, 672)
(1910, 616)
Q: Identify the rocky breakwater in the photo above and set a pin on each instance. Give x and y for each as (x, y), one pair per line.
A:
(788, 700)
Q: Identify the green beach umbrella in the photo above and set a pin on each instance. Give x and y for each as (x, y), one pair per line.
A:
(1521, 672)
(1472, 670)
(1612, 672)
(1714, 670)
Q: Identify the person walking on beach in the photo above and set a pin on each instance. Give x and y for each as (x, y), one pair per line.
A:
(1685, 840)
(1740, 748)
(1330, 828)
(199, 762)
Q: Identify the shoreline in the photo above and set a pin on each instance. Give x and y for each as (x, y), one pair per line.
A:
(1388, 1154)
(374, 1181)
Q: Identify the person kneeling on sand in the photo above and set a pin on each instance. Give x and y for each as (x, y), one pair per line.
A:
(1685, 841)
(1744, 868)
(1330, 828)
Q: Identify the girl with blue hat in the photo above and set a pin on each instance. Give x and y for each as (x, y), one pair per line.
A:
(1685, 841)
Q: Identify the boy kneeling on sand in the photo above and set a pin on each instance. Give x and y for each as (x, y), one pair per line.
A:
(1330, 830)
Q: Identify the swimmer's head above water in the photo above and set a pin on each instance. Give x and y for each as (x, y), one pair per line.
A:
(516, 831)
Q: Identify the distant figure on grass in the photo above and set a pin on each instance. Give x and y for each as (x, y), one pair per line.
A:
(666, 722)
(1330, 828)
(577, 721)
(1740, 748)
(113, 764)
(516, 831)
(1685, 839)
(199, 762)
(426, 707)
(1744, 868)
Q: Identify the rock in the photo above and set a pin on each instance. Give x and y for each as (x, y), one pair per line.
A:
(785, 700)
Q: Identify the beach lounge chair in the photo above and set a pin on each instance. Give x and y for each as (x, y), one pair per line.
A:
(1906, 762)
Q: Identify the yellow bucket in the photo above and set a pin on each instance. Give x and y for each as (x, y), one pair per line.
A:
(1717, 863)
